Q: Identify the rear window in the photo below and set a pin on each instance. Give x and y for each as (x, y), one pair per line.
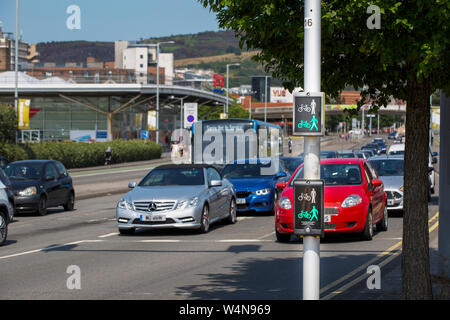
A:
(338, 174)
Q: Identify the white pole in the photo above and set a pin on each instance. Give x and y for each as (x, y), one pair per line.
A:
(362, 121)
(250, 113)
(226, 108)
(157, 93)
(311, 244)
(16, 62)
(181, 111)
(265, 99)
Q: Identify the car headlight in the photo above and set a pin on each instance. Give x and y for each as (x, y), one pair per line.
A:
(187, 203)
(263, 192)
(28, 192)
(402, 188)
(123, 204)
(351, 201)
(285, 203)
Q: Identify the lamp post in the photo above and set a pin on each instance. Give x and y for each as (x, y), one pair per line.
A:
(265, 98)
(250, 107)
(157, 85)
(16, 66)
(228, 67)
(181, 109)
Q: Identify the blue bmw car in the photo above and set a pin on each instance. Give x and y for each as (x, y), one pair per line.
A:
(255, 183)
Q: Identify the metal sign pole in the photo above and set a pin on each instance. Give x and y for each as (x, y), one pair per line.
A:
(311, 244)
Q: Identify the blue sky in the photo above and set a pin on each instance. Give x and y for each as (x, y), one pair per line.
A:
(106, 20)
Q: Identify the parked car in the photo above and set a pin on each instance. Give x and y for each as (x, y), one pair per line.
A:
(390, 169)
(397, 149)
(346, 154)
(292, 163)
(3, 162)
(6, 207)
(255, 183)
(355, 200)
(393, 135)
(39, 185)
(185, 196)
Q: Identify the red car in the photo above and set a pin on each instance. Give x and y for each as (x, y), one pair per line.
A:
(354, 199)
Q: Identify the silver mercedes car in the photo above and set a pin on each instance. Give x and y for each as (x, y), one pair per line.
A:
(390, 169)
(177, 196)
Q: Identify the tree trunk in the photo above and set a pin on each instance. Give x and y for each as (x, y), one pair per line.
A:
(416, 279)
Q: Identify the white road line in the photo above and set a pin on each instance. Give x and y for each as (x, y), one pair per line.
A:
(47, 249)
(267, 235)
(244, 218)
(109, 235)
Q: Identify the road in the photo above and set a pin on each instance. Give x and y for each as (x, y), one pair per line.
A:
(241, 261)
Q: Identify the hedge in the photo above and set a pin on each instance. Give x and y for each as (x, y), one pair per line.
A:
(81, 155)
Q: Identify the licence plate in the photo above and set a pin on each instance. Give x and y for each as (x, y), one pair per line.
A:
(153, 217)
(240, 201)
(390, 202)
(327, 218)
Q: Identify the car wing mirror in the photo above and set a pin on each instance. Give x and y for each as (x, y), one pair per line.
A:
(132, 185)
(376, 182)
(215, 183)
(430, 169)
(281, 185)
(281, 174)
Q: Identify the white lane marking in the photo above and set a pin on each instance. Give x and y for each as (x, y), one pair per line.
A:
(109, 235)
(47, 248)
(244, 218)
(267, 235)
(161, 240)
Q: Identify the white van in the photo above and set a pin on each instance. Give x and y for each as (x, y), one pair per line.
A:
(398, 148)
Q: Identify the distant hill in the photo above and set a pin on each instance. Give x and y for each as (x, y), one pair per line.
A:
(202, 44)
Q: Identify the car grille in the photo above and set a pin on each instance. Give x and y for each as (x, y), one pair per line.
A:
(168, 221)
(393, 195)
(242, 194)
(160, 205)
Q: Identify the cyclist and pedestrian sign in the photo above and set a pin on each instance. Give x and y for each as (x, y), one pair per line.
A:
(308, 207)
(308, 114)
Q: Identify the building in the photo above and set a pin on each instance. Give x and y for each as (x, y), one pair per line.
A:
(8, 53)
(141, 58)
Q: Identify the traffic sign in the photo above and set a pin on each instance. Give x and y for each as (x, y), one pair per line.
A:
(308, 114)
(190, 114)
(309, 207)
(144, 134)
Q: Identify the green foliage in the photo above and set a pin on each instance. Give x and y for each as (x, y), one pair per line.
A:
(412, 43)
(235, 111)
(80, 155)
(8, 124)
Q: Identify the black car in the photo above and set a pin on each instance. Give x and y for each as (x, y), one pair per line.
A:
(372, 146)
(3, 162)
(40, 184)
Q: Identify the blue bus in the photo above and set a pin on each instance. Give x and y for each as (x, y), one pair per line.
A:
(221, 141)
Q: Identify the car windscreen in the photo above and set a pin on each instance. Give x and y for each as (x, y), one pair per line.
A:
(388, 167)
(24, 171)
(339, 174)
(248, 170)
(173, 177)
(292, 163)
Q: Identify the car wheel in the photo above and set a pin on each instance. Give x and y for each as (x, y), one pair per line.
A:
(282, 237)
(70, 204)
(42, 206)
(3, 229)
(367, 234)
(232, 218)
(383, 224)
(204, 227)
(127, 232)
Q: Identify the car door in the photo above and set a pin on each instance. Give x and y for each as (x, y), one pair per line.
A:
(377, 193)
(65, 182)
(224, 193)
(215, 197)
(51, 184)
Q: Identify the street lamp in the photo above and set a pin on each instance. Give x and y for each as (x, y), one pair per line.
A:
(16, 67)
(157, 83)
(228, 66)
(265, 98)
(250, 106)
(181, 108)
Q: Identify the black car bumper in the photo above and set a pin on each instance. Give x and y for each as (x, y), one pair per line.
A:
(26, 204)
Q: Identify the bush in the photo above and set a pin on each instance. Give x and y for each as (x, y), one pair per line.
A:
(8, 124)
(81, 155)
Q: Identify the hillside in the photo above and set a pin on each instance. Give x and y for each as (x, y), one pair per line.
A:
(202, 44)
